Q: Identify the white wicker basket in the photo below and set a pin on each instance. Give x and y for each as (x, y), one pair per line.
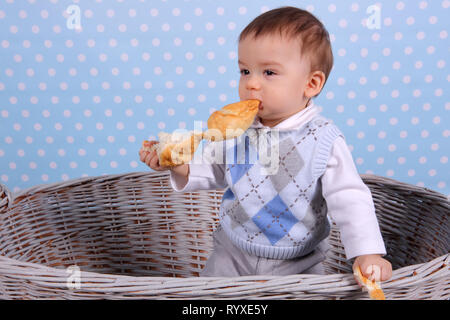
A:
(131, 236)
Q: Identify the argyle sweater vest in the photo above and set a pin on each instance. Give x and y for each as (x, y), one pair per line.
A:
(278, 214)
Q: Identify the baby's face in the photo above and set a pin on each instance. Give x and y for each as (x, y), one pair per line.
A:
(273, 71)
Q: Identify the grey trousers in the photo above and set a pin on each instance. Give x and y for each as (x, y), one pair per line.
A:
(227, 260)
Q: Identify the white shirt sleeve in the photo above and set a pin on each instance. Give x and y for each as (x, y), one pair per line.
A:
(350, 204)
(202, 176)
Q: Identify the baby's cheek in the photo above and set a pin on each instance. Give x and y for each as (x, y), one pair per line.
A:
(242, 91)
(278, 98)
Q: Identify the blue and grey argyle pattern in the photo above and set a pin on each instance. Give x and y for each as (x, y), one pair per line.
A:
(280, 215)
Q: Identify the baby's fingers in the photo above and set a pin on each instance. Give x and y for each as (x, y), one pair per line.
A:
(386, 273)
(154, 164)
(148, 144)
(373, 272)
(142, 155)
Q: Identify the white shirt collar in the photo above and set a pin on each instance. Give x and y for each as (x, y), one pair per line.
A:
(293, 122)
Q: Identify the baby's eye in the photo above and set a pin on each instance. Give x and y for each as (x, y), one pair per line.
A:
(244, 72)
(269, 72)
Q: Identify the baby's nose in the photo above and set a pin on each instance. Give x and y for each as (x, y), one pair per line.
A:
(253, 84)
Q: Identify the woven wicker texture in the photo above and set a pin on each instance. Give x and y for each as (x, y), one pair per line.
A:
(133, 237)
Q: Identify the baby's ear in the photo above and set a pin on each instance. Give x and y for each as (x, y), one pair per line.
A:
(315, 84)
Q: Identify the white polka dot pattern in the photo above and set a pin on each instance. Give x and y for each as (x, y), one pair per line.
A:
(78, 94)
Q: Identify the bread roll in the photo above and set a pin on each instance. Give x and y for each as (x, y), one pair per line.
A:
(232, 120)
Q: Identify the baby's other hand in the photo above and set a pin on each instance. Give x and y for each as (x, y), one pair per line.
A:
(373, 267)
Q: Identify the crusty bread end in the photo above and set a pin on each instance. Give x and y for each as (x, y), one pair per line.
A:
(176, 148)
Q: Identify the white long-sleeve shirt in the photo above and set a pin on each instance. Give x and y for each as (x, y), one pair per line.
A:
(348, 199)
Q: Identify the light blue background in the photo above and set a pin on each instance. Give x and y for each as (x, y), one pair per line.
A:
(76, 103)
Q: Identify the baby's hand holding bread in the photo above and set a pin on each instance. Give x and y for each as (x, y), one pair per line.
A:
(149, 156)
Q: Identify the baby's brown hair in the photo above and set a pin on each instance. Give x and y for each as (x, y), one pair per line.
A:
(300, 24)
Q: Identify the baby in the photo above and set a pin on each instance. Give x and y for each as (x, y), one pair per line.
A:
(277, 223)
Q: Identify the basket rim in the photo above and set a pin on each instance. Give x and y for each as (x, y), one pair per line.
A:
(43, 187)
(429, 267)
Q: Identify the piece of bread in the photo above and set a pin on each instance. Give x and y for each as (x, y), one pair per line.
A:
(229, 122)
(176, 148)
(372, 286)
(232, 120)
